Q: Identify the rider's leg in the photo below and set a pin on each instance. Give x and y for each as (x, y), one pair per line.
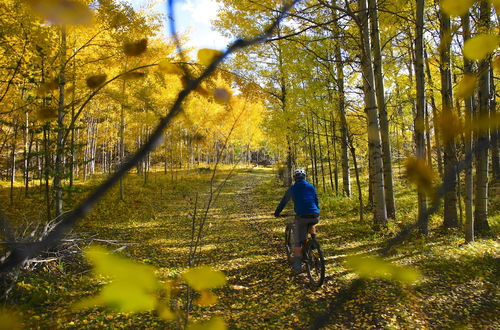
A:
(312, 230)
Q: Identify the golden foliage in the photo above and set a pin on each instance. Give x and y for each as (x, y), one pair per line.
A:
(167, 67)
(206, 56)
(373, 267)
(450, 125)
(135, 48)
(456, 7)
(480, 46)
(419, 173)
(215, 323)
(64, 12)
(466, 86)
(204, 278)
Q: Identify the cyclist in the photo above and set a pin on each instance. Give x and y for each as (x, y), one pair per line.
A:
(306, 208)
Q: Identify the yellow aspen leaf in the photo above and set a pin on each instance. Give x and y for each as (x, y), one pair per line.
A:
(48, 86)
(206, 56)
(222, 95)
(207, 298)
(202, 91)
(46, 114)
(65, 12)
(9, 321)
(133, 75)
(166, 314)
(496, 63)
(466, 86)
(167, 67)
(456, 7)
(132, 287)
(374, 267)
(204, 278)
(135, 48)
(419, 173)
(480, 46)
(215, 323)
(450, 125)
(96, 80)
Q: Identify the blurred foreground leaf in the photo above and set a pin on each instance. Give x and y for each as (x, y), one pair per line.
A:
(374, 267)
(132, 287)
(204, 278)
(480, 46)
(206, 56)
(64, 12)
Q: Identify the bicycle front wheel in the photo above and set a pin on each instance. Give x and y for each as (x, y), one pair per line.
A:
(315, 264)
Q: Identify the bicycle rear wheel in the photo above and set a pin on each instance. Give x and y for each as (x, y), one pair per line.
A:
(288, 243)
(315, 264)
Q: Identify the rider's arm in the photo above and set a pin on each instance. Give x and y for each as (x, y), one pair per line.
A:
(284, 200)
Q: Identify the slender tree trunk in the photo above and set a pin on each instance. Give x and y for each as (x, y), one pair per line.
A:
(495, 159)
(328, 156)
(482, 143)
(420, 113)
(358, 183)
(320, 149)
(344, 140)
(374, 140)
(469, 186)
(382, 111)
(434, 117)
(450, 197)
(59, 169)
(13, 163)
(335, 158)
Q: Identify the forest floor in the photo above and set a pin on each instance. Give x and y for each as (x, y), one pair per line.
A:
(458, 289)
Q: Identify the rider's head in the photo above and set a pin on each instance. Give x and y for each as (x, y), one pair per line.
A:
(299, 174)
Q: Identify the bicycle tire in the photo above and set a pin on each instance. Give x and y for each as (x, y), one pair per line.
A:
(288, 243)
(315, 264)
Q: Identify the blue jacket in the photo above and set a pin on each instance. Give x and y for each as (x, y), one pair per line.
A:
(304, 197)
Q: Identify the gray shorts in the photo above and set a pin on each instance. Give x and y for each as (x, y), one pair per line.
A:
(301, 226)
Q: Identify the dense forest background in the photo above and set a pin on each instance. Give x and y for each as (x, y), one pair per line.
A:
(389, 105)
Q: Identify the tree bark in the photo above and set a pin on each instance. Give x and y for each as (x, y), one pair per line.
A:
(450, 197)
(482, 141)
(469, 186)
(374, 140)
(420, 110)
(382, 111)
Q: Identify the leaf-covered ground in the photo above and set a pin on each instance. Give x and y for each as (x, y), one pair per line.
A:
(459, 287)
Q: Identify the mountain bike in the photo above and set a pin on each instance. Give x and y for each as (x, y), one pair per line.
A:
(312, 255)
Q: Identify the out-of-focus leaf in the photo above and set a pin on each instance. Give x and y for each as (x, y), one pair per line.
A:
(133, 75)
(96, 81)
(222, 95)
(456, 7)
(215, 323)
(373, 267)
(419, 173)
(166, 314)
(480, 46)
(207, 298)
(9, 321)
(496, 63)
(132, 287)
(204, 278)
(65, 12)
(206, 56)
(466, 86)
(450, 125)
(135, 48)
(48, 86)
(167, 67)
(46, 114)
